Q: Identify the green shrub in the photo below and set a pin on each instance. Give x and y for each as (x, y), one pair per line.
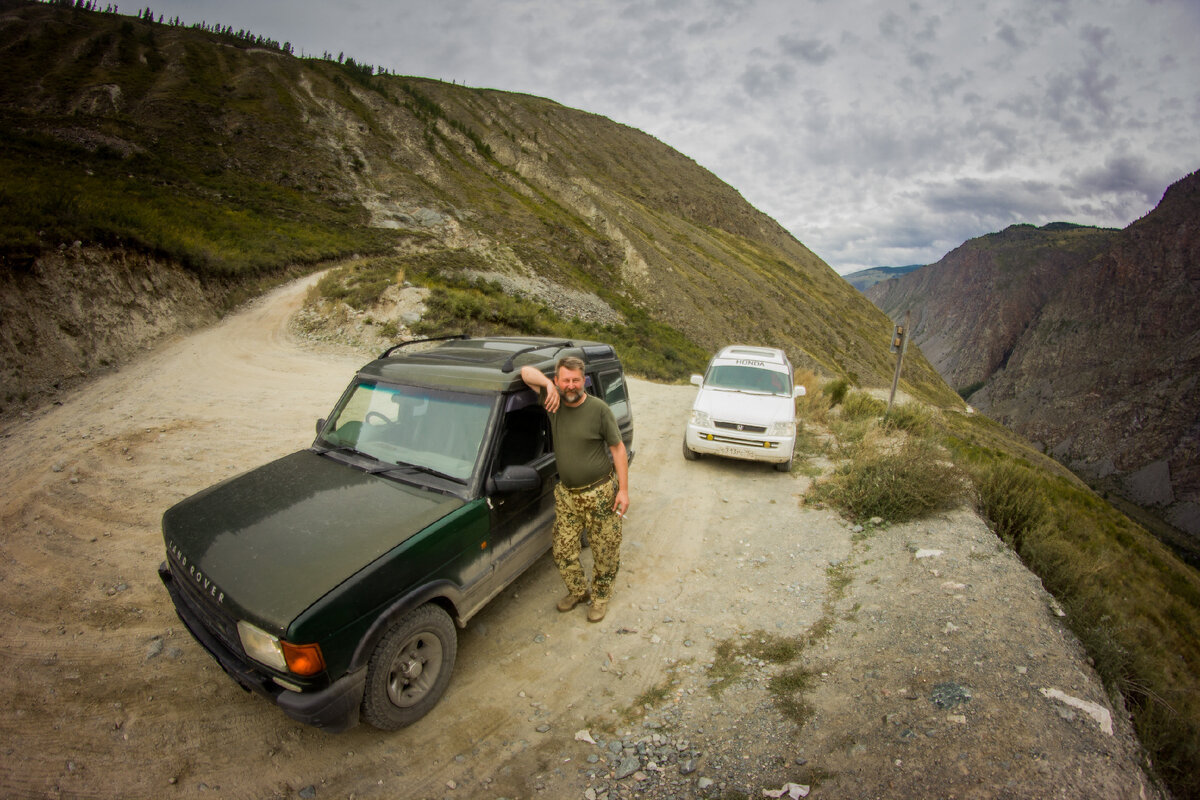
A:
(1009, 498)
(359, 284)
(914, 418)
(836, 391)
(860, 405)
(898, 484)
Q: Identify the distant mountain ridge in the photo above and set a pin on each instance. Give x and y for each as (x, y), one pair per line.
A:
(866, 278)
(1086, 340)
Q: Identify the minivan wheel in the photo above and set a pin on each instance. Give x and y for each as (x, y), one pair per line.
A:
(410, 668)
(689, 453)
(784, 466)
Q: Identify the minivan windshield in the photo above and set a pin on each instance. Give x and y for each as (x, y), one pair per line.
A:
(738, 377)
(433, 429)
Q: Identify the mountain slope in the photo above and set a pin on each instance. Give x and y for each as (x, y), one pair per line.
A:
(237, 161)
(1085, 340)
(866, 278)
(971, 307)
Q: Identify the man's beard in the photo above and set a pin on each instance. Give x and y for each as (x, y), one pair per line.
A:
(572, 397)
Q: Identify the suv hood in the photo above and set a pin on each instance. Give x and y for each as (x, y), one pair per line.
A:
(728, 405)
(280, 535)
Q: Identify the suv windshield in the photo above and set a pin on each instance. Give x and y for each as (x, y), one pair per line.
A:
(408, 425)
(747, 379)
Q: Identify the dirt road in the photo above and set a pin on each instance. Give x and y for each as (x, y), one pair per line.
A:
(107, 696)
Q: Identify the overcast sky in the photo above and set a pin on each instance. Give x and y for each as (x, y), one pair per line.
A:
(878, 133)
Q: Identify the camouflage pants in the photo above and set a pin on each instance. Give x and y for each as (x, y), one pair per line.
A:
(592, 511)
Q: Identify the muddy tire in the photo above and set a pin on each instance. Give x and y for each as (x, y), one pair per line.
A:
(410, 668)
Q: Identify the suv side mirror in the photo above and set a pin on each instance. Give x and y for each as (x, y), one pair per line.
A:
(320, 424)
(799, 391)
(697, 380)
(514, 478)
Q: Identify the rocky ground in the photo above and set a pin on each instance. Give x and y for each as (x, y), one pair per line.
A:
(756, 645)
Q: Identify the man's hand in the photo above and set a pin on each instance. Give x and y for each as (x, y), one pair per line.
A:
(621, 464)
(535, 380)
(552, 398)
(621, 503)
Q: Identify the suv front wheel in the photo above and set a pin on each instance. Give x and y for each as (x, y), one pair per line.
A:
(410, 668)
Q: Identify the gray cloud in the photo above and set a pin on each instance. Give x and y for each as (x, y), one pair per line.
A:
(1008, 34)
(813, 51)
(877, 135)
(1119, 173)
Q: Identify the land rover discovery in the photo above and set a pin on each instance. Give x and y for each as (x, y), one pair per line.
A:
(330, 581)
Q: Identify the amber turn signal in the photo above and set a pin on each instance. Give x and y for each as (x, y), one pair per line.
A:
(303, 659)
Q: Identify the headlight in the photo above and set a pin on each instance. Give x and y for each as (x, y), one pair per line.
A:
(261, 646)
(301, 659)
(701, 419)
(783, 428)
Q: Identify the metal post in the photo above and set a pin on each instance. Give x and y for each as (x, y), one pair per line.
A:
(902, 335)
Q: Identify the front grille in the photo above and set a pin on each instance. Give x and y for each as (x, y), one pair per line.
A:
(737, 426)
(208, 613)
(712, 437)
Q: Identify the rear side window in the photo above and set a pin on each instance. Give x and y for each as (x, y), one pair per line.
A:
(612, 386)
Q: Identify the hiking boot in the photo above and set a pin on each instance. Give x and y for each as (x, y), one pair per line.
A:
(597, 610)
(570, 601)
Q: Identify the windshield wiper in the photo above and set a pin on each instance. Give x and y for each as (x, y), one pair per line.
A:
(345, 449)
(381, 467)
(738, 389)
(426, 470)
(342, 449)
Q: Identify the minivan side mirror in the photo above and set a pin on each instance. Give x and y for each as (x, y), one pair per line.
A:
(697, 380)
(799, 391)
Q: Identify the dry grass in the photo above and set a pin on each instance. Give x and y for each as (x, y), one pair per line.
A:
(1132, 602)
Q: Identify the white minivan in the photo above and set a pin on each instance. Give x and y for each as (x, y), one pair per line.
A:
(746, 407)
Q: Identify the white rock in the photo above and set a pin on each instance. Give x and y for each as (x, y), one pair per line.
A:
(1093, 710)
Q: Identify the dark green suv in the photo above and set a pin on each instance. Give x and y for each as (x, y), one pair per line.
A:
(331, 579)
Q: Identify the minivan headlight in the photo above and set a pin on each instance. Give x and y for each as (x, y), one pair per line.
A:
(701, 419)
(783, 428)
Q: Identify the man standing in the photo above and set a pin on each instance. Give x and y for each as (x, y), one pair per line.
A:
(593, 489)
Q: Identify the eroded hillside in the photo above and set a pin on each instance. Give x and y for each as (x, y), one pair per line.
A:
(239, 162)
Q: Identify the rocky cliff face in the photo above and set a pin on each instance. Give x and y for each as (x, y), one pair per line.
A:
(1085, 341)
(971, 308)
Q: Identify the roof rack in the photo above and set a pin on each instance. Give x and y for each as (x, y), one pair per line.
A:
(510, 363)
(396, 347)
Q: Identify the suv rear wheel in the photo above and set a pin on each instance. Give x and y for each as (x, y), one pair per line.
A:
(410, 668)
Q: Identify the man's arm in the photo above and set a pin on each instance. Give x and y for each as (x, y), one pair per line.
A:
(621, 465)
(535, 379)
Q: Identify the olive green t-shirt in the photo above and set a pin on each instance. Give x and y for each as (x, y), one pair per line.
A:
(582, 436)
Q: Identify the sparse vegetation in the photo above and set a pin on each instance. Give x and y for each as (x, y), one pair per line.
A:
(899, 482)
(836, 391)
(459, 303)
(1133, 603)
(732, 657)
